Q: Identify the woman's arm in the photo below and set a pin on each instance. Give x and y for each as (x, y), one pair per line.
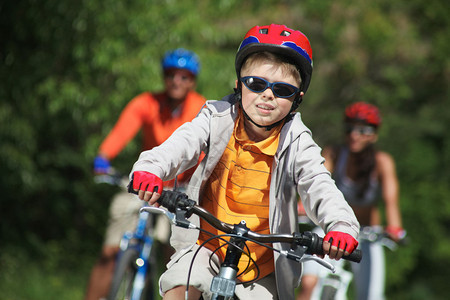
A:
(390, 191)
(329, 154)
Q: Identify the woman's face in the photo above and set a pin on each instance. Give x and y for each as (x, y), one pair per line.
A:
(265, 108)
(359, 136)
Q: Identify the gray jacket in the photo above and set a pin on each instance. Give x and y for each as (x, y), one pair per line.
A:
(297, 170)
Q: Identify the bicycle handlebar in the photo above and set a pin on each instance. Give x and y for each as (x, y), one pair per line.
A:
(173, 201)
(112, 178)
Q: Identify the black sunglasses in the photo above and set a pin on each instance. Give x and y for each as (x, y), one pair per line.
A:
(360, 129)
(259, 85)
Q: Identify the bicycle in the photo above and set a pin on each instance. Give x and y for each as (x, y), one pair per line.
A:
(334, 286)
(134, 273)
(223, 285)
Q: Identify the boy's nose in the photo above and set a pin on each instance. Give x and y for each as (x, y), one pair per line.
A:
(268, 93)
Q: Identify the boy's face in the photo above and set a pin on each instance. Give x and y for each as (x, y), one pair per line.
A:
(265, 108)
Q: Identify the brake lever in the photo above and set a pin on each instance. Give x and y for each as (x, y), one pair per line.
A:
(178, 219)
(320, 261)
(161, 211)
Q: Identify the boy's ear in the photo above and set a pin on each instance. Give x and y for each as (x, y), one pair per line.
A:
(236, 84)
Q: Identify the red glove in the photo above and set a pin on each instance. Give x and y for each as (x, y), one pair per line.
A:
(395, 232)
(341, 240)
(146, 181)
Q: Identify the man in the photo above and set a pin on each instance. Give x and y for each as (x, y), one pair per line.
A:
(158, 115)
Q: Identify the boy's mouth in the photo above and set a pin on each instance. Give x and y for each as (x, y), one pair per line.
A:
(265, 107)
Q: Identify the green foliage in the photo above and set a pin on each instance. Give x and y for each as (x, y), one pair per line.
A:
(69, 67)
(23, 278)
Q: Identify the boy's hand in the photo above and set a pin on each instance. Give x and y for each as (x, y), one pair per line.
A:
(147, 185)
(337, 243)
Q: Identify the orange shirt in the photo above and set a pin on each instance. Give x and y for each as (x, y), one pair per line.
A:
(151, 113)
(237, 190)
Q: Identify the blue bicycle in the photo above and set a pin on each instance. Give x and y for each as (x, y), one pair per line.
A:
(135, 270)
(134, 274)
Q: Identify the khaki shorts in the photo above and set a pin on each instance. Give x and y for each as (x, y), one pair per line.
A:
(202, 275)
(124, 215)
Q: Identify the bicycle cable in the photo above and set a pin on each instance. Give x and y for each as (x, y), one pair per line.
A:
(221, 237)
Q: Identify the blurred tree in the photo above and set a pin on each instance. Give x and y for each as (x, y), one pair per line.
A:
(69, 67)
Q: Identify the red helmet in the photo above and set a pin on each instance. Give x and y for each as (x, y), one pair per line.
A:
(364, 112)
(281, 40)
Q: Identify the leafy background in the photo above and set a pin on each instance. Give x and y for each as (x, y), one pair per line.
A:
(68, 67)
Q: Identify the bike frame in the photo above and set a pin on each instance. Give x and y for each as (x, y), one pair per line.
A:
(339, 282)
(142, 240)
(333, 285)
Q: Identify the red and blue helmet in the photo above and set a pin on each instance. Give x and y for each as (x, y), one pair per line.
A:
(181, 59)
(281, 40)
(363, 112)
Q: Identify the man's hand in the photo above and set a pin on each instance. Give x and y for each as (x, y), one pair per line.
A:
(148, 186)
(101, 165)
(337, 244)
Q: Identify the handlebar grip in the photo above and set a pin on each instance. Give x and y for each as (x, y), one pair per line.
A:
(355, 256)
(130, 188)
(174, 199)
(167, 201)
(315, 247)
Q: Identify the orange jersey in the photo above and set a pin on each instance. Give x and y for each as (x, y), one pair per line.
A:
(238, 189)
(151, 113)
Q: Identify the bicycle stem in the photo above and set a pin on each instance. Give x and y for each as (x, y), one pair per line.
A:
(224, 283)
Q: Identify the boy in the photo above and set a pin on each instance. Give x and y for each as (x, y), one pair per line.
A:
(259, 157)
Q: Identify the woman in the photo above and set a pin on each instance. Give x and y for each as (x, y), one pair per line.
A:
(364, 175)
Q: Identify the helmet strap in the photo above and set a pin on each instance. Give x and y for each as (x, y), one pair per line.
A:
(298, 99)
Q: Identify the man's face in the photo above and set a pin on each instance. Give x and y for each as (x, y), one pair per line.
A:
(178, 83)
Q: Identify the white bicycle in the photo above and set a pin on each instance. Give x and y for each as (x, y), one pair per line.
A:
(334, 286)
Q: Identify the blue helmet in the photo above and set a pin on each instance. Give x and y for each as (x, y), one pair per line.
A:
(181, 59)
